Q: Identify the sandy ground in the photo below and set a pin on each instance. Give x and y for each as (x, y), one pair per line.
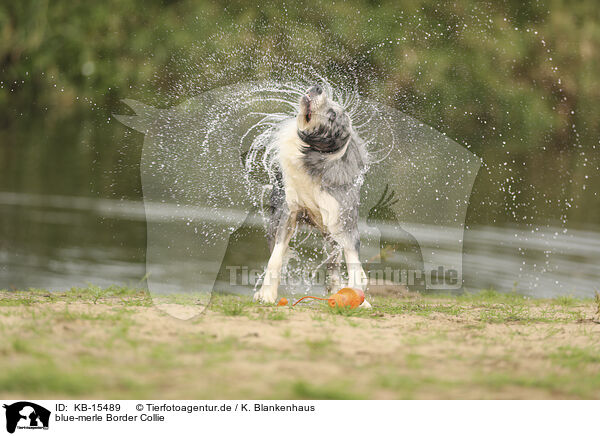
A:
(96, 344)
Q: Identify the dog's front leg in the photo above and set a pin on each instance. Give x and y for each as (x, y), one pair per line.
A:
(285, 230)
(333, 270)
(356, 274)
(333, 263)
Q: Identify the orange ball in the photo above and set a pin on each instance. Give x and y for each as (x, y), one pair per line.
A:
(283, 302)
(347, 297)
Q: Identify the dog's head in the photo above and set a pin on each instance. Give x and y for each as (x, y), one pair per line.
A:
(322, 123)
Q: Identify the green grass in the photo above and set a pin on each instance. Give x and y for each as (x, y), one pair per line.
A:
(116, 314)
(101, 342)
(304, 390)
(560, 384)
(277, 315)
(495, 307)
(59, 381)
(206, 344)
(233, 309)
(230, 305)
(505, 313)
(319, 345)
(405, 386)
(565, 300)
(576, 357)
(91, 294)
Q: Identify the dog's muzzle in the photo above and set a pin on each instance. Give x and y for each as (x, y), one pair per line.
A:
(307, 100)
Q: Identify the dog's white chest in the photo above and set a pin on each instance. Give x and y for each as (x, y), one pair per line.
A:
(302, 191)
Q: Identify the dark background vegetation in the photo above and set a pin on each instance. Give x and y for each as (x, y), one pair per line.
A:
(516, 81)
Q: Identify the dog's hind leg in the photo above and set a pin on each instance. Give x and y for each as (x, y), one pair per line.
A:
(345, 233)
(356, 274)
(285, 230)
(334, 281)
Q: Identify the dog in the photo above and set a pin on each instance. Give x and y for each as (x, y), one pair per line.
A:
(321, 162)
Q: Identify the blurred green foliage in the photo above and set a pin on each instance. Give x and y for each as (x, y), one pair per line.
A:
(481, 72)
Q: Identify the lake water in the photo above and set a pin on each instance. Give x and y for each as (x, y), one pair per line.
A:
(71, 214)
(57, 242)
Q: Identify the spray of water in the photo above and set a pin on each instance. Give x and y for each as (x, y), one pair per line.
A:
(212, 158)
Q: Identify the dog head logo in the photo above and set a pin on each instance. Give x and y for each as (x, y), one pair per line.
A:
(208, 163)
(26, 415)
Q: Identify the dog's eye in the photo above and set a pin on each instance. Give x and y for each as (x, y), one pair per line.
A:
(332, 116)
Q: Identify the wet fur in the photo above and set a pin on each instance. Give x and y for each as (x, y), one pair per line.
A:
(321, 161)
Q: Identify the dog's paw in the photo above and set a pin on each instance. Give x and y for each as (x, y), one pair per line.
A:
(266, 294)
(366, 305)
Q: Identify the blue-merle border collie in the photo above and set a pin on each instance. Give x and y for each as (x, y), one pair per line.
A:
(321, 161)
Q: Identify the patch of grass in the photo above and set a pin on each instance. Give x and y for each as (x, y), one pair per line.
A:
(16, 298)
(101, 339)
(565, 300)
(97, 294)
(491, 296)
(348, 311)
(479, 326)
(47, 378)
(306, 391)
(503, 313)
(317, 316)
(421, 339)
(413, 360)
(352, 323)
(22, 346)
(209, 344)
(234, 308)
(183, 299)
(120, 332)
(230, 305)
(277, 315)
(141, 301)
(421, 307)
(319, 345)
(405, 386)
(575, 357)
(559, 384)
(162, 355)
(114, 315)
